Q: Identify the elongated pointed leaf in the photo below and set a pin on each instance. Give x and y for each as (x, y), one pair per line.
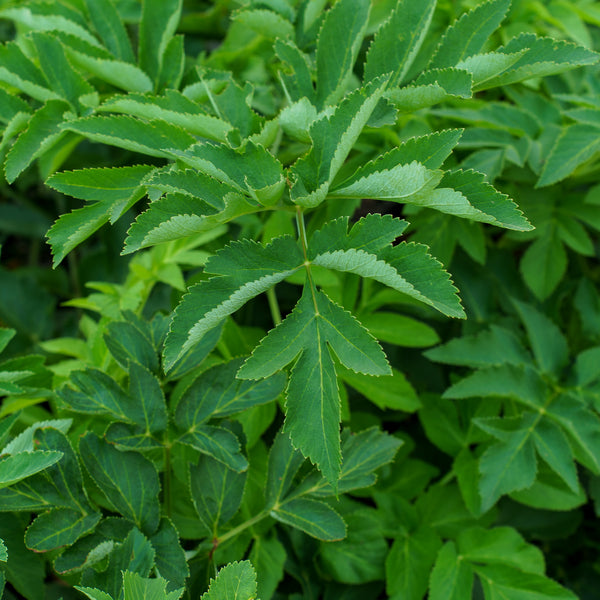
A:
(339, 41)
(43, 132)
(58, 528)
(127, 479)
(314, 518)
(398, 41)
(246, 269)
(284, 463)
(298, 83)
(18, 71)
(159, 22)
(110, 28)
(172, 108)
(152, 138)
(468, 35)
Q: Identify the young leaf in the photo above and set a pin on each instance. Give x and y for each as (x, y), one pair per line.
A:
(107, 22)
(313, 410)
(127, 479)
(314, 518)
(468, 35)
(394, 52)
(244, 269)
(339, 41)
(136, 587)
(236, 581)
(332, 138)
(159, 22)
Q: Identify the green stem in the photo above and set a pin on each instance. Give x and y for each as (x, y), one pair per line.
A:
(274, 306)
(304, 242)
(241, 527)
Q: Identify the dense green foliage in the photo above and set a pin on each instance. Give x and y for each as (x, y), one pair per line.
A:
(213, 379)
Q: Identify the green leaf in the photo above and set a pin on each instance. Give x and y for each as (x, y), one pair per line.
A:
(313, 410)
(107, 22)
(582, 427)
(431, 87)
(218, 442)
(10, 106)
(113, 191)
(451, 578)
(544, 263)
(61, 76)
(148, 399)
(340, 38)
(500, 582)
(508, 465)
(500, 546)
(245, 270)
(264, 22)
(398, 41)
(127, 479)
(19, 466)
(217, 393)
(122, 75)
(314, 518)
(136, 587)
(268, 557)
(42, 16)
(43, 132)
(152, 137)
(468, 35)
(58, 528)
(170, 560)
(3, 552)
(252, 170)
(126, 343)
(284, 463)
(573, 147)
(59, 485)
(18, 71)
(216, 492)
(409, 562)
(538, 57)
(388, 391)
(332, 138)
(548, 343)
(135, 554)
(236, 581)
(173, 108)
(159, 22)
(296, 77)
(492, 347)
(361, 556)
(364, 453)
